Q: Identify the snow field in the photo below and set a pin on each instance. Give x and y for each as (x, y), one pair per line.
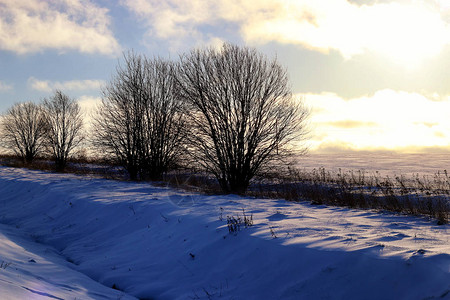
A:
(73, 237)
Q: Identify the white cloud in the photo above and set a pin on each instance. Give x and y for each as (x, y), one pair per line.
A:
(405, 31)
(179, 22)
(4, 87)
(39, 85)
(389, 119)
(33, 25)
(72, 85)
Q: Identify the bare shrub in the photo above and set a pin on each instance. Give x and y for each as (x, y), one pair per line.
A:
(241, 112)
(234, 223)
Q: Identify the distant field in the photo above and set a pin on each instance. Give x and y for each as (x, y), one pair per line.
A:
(383, 162)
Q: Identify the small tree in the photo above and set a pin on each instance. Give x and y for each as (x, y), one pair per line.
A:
(23, 129)
(65, 123)
(242, 113)
(140, 122)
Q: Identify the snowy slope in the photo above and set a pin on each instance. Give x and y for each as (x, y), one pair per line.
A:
(72, 237)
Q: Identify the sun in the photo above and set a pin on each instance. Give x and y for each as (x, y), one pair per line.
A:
(406, 34)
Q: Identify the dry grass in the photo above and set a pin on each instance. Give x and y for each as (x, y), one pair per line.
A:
(415, 195)
(80, 166)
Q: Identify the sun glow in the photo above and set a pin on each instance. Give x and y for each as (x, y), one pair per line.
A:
(386, 120)
(407, 32)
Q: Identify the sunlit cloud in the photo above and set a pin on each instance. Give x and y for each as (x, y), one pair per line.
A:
(4, 87)
(427, 124)
(349, 124)
(71, 85)
(440, 134)
(387, 120)
(33, 26)
(443, 4)
(407, 32)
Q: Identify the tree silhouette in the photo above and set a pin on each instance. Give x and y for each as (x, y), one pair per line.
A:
(241, 111)
(64, 123)
(23, 129)
(140, 122)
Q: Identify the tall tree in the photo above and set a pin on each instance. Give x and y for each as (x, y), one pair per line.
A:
(23, 129)
(140, 123)
(242, 114)
(65, 123)
(164, 125)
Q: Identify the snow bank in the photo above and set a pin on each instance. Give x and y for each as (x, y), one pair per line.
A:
(68, 236)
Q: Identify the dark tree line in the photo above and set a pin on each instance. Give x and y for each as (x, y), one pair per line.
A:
(229, 111)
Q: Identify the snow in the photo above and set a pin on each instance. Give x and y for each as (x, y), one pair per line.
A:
(378, 162)
(70, 237)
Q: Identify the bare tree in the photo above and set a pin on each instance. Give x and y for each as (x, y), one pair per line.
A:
(65, 123)
(23, 129)
(164, 125)
(140, 122)
(242, 113)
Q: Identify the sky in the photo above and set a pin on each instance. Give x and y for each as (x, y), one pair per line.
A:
(375, 73)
